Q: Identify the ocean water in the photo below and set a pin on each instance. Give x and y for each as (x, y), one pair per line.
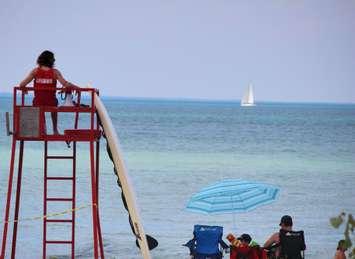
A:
(175, 148)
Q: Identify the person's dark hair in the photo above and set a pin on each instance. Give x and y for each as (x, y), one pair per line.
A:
(341, 244)
(46, 58)
(245, 237)
(286, 220)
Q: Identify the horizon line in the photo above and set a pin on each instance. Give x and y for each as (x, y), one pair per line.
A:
(202, 99)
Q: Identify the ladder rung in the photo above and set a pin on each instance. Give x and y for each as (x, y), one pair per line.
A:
(59, 157)
(58, 242)
(59, 199)
(59, 178)
(60, 220)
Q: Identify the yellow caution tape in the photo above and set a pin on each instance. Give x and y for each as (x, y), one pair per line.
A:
(51, 214)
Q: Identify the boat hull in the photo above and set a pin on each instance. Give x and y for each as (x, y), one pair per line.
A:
(247, 104)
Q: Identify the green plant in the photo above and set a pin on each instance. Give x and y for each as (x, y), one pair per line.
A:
(349, 222)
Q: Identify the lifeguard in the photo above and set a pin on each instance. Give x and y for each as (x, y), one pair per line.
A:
(44, 76)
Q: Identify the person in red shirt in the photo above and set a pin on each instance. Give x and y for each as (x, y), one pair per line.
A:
(45, 76)
(244, 249)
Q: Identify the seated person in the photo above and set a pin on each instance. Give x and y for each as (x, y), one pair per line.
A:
(286, 243)
(46, 76)
(245, 248)
(340, 253)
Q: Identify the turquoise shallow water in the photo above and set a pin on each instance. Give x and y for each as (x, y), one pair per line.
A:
(174, 148)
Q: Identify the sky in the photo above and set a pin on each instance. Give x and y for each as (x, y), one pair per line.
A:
(290, 50)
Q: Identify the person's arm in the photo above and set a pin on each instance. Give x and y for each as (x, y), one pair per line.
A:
(62, 81)
(273, 239)
(223, 244)
(28, 79)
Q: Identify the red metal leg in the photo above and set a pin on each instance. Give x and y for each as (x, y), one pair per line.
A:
(100, 236)
(94, 199)
(17, 203)
(8, 200)
(44, 244)
(97, 197)
(73, 202)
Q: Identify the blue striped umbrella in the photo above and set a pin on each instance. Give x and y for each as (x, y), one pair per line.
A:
(230, 196)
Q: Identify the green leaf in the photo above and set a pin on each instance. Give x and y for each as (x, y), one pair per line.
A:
(336, 221)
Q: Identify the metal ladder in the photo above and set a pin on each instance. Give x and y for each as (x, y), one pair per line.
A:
(47, 199)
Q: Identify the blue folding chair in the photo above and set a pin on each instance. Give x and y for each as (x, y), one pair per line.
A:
(207, 242)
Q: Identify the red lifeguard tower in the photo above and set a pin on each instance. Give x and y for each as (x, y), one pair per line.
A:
(29, 125)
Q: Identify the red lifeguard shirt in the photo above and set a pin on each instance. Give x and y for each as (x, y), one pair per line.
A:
(45, 79)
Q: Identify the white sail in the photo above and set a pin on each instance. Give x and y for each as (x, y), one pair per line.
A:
(248, 98)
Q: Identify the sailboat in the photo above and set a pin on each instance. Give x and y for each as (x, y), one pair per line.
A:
(248, 98)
